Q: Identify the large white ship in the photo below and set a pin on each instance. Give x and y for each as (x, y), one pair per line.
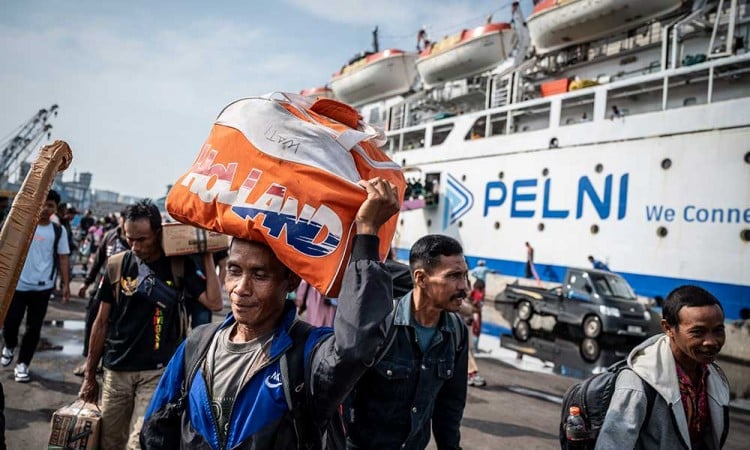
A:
(619, 129)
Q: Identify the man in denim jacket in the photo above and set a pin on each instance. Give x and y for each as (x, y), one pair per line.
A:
(422, 377)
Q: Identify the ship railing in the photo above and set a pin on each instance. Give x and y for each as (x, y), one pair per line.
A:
(703, 83)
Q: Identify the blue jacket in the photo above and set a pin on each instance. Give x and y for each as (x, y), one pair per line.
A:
(334, 361)
(407, 391)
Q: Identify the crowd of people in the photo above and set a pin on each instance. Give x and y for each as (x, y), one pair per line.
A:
(385, 365)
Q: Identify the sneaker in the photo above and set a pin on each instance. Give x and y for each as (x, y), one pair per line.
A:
(476, 381)
(22, 373)
(6, 357)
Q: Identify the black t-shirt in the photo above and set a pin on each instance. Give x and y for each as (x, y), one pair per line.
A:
(140, 335)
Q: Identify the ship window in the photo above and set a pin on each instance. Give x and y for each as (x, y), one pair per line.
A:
(636, 98)
(690, 86)
(413, 140)
(440, 133)
(391, 144)
(477, 130)
(531, 118)
(374, 115)
(498, 123)
(577, 110)
(731, 82)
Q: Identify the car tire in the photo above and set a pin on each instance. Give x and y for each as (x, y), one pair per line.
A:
(524, 310)
(522, 330)
(592, 327)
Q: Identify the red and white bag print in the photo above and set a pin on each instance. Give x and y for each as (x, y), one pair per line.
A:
(285, 172)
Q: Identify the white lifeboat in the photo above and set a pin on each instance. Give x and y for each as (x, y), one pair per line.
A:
(374, 77)
(466, 53)
(315, 92)
(555, 24)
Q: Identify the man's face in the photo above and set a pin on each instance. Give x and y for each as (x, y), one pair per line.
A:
(142, 239)
(699, 334)
(447, 284)
(48, 209)
(257, 284)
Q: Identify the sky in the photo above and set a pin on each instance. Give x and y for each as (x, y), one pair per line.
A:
(139, 83)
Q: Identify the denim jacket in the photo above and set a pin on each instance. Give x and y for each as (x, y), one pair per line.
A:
(394, 402)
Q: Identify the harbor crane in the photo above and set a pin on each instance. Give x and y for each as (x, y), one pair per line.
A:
(19, 143)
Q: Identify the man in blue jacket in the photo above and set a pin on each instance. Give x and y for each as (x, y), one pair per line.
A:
(237, 397)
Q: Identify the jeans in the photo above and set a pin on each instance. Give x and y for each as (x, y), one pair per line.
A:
(33, 304)
(125, 398)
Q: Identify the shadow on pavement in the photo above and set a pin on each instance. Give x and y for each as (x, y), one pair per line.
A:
(18, 419)
(502, 429)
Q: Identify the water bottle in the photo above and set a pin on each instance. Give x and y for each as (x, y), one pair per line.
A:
(575, 426)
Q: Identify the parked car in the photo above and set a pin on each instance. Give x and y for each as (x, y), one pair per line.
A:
(594, 300)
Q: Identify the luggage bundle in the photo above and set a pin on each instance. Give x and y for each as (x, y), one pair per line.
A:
(285, 172)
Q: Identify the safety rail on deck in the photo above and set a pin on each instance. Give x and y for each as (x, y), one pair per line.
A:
(703, 83)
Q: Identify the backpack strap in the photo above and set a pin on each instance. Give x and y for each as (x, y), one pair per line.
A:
(55, 260)
(460, 325)
(650, 400)
(196, 348)
(114, 272)
(177, 265)
(292, 365)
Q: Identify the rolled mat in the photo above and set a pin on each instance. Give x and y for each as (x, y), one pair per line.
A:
(19, 227)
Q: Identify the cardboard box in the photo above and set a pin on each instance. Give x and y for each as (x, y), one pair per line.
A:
(180, 239)
(76, 426)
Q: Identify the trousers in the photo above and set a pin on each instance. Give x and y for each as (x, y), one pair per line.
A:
(32, 304)
(125, 398)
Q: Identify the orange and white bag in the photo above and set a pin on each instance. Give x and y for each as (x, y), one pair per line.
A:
(285, 172)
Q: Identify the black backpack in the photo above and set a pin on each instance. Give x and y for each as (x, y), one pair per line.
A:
(593, 396)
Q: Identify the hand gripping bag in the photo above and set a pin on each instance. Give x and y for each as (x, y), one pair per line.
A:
(285, 172)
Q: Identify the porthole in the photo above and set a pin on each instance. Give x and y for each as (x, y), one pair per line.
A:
(666, 163)
(747, 157)
(497, 225)
(594, 229)
(661, 231)
(460, 223)
(429, 223)
(463, 177)
(554, 143)
(545, 172)
(403, 163)
(540, 227)
(402, 221)
(745, 235)
(599, 168)
(501, 175)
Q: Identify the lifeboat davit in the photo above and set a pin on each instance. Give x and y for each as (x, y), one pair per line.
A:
(375, 77)
(316, 92)
(466, 53)
(555, 24)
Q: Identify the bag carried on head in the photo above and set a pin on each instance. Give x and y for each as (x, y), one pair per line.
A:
(285, 172)
(591, 398)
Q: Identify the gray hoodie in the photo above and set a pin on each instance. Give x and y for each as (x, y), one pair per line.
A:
(652, 361)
